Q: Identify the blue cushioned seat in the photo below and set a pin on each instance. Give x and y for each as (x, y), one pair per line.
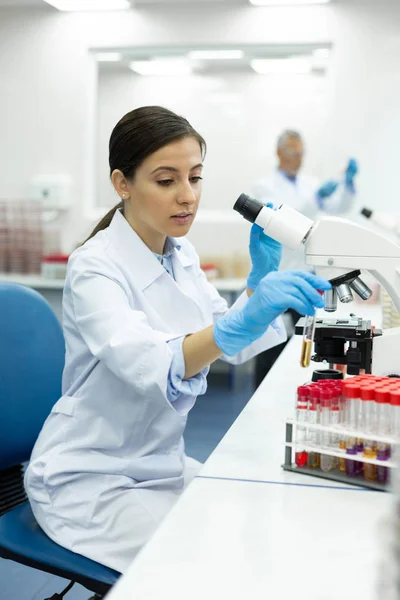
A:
(31, 362)
(22, 540)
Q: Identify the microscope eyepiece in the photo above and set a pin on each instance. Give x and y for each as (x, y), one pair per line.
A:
(284, 225)
(366, 212)
(248, 207)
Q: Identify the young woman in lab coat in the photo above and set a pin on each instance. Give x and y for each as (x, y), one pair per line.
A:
(142, 325)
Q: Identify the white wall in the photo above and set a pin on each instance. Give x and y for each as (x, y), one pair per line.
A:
(46, 82)
(365, 97)
(240, 116)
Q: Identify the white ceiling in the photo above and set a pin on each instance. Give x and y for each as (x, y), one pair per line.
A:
(40, 3)
(18, 3)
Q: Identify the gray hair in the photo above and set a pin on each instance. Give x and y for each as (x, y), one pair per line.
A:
(287, 135)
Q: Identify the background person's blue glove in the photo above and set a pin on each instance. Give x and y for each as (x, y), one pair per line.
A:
(327, 189)
(265, 255)
(351, 172)
(276, 293)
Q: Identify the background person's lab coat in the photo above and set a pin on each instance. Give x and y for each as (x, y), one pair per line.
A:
(301, 194)
(109, 462)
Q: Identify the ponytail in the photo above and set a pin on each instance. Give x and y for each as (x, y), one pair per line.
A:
(106, 220)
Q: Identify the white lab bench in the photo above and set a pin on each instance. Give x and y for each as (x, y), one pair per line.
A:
(246, 528)
(232, 539)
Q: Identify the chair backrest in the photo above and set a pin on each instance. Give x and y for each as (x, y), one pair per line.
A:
(32, 354)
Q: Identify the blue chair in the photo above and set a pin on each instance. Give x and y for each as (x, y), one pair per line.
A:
(31, 361)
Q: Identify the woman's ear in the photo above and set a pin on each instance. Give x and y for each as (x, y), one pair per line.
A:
(120, 184)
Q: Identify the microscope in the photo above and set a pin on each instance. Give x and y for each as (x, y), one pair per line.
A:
(338, 250)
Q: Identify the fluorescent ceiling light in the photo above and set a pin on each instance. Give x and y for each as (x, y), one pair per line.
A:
(287, 2)
(109, 56)
(89, 5)
(161, 67)
(216, 54)
(281, 66)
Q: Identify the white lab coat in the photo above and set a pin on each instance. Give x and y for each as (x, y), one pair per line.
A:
(109, 462)
(301, 195)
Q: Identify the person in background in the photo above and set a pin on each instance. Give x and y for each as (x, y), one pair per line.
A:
(142, 325)
(288, 185)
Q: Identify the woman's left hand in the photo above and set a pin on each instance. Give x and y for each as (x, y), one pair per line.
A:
(265, 254)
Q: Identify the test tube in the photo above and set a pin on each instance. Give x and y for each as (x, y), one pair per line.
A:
(359, 465)
(352, 393)
(367, 395)
(335, 417)
(308, 338)
(343, 423)
(382, 399)
(313, 460)
(327, 462)
(395, 414)
(388, 387)
(359, 441)
(301, 432)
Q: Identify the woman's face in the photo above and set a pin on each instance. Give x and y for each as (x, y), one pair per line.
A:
(165, 192)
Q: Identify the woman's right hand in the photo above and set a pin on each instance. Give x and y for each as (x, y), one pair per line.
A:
(276, 293)
(282, 290)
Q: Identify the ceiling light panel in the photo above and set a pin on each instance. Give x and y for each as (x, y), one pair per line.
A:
(109, 56)
(89, 5)
(161, 67)
(216, 54)
(287, 2)
(281, 66)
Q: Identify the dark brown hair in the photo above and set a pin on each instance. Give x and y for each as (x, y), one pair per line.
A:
(137, 135)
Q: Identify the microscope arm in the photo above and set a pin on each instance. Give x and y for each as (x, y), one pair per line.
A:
(336, 247)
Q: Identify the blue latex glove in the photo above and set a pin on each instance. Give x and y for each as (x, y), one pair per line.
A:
(351, 172)
(265, 254)
(327, 189)
(276, 293)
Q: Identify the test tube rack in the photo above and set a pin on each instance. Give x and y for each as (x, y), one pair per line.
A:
(335, 474)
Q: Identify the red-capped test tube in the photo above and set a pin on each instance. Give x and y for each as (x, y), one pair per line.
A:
(335, 416)
(313, 460)
(368, 424)
(301, 431)
(336, 407)
(395, 414)
(382, 399)
(344, 406)
(327, 393)
(352, 393)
